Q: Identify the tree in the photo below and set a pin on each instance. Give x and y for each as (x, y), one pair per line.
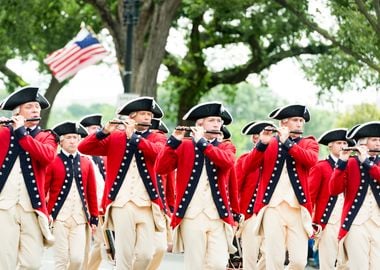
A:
(359, 114)
(151, 33)
(268, 32)
(354, 32)
(32, 29)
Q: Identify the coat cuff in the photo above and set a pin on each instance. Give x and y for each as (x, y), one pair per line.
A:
(202, 144)
(20, 132)
(173, 142)
(288, 144)
(135, 139)
(341, 165)
(94, 220)
(368, 164)
(100, 135)
(261, 146)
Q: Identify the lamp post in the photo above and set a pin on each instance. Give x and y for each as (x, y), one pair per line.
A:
(131, 16)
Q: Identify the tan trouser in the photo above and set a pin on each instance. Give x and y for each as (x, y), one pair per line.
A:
(134, 236)
(205, 243)
(70, 244)
(328, 246)
(251, 245)
(159, 253)
(21, 239)
(283, 230)
(96, 252)
(363, 246)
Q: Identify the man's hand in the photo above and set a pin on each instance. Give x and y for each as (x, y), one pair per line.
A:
(266, 135)
(198, 133)
(362, 152)
(130, 127)
(179, 133)
(18, 121)
(111, 126)
(283, 133)
(344, 155)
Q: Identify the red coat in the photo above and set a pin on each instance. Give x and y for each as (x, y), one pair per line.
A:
(187, 158)
(41, 147)
(349, 178)
(247, 183)
(304, 152)
(57, 186)
(168, 195)
(118, 150)
(319, 178)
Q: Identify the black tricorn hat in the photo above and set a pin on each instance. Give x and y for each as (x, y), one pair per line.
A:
(70, 128)
(338, 134)
(158, 124)
(255, 127)
(369, 129)
(294, 110)
(208, 109)
(91, 120)
(142, 104)
(226, 132)
(24, 95)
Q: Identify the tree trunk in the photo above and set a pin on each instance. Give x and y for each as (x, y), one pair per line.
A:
(152, 47)
(150, 36)
(50, 95)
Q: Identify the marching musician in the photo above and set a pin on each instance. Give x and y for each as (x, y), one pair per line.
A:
(282, 204)
(93, 123)
(163, 240)
(71, 188)
(25, 151)
(133, 207)
(358, 177)
(248, 184)
(327, 208)
(202, 219)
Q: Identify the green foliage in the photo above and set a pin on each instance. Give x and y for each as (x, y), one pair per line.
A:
(342, 68)
(359, 114)
(31, 30)
(76, 111)
(269, 33)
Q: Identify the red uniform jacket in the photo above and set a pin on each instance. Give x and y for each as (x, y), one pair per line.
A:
(166, 190)
(36, 151)
(300, 155)
(119, 152)
(59, 179)
(323, 202)
(188, 158)
(354, 179)
(248, 184)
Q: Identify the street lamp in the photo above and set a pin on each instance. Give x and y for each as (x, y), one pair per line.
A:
(131, 16)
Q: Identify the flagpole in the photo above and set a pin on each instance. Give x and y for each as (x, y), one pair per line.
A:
(131, 15)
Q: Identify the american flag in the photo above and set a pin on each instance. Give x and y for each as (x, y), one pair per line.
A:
(84, 50)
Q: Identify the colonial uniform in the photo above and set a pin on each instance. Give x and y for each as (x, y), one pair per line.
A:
(360, 222)
(165, 184)
(282, 203)
(248, 186)
(131, 198)
(24, 156)
(202, 219)
(95, 259)
(327, 208)
(72, 203)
